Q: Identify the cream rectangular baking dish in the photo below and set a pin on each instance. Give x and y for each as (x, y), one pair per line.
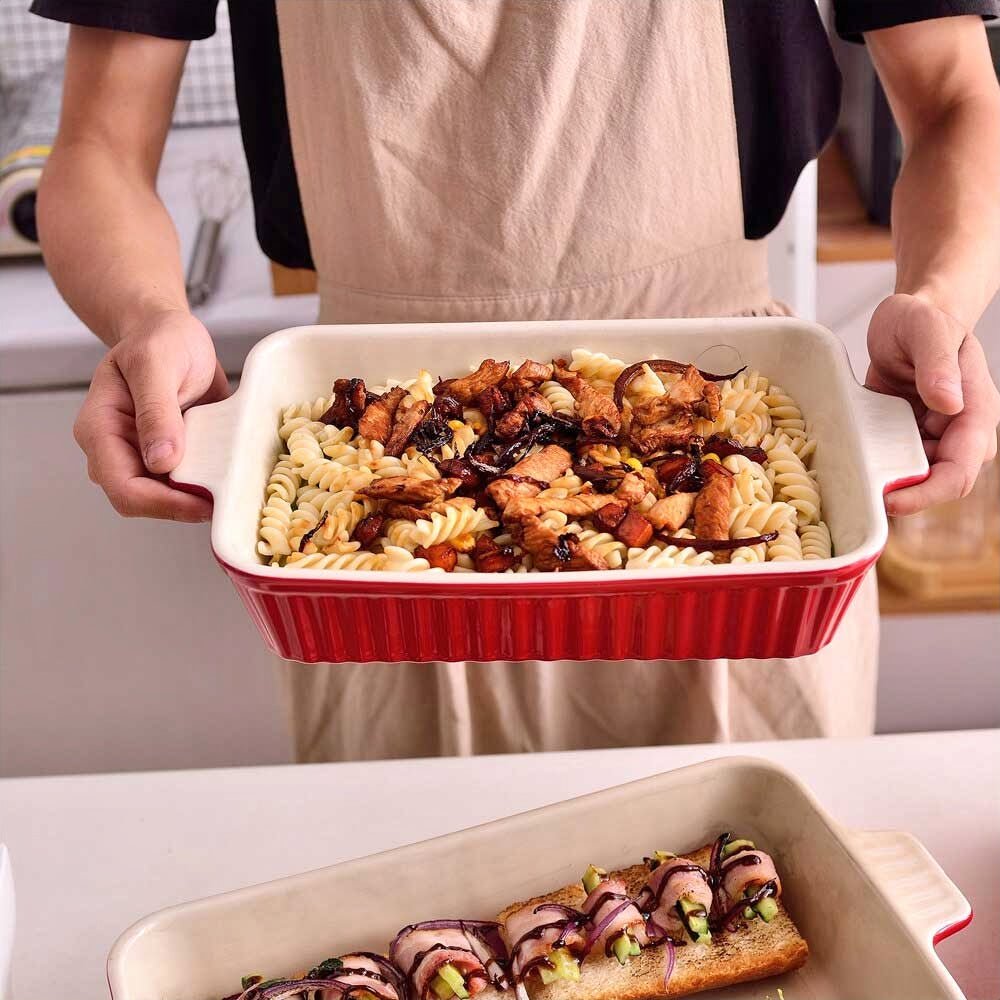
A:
(871, 905)
(868, 444)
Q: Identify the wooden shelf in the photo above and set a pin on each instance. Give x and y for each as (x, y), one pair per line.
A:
(844, 231)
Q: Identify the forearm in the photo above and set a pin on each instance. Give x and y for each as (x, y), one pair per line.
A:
(108, 240)
(946, 210)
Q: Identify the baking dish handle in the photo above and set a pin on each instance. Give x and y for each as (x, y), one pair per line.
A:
(208, 436)
(928, 902)
(893, 448)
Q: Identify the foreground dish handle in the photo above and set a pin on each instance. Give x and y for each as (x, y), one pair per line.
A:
(208, 437)
(892, 445)
(927, 901)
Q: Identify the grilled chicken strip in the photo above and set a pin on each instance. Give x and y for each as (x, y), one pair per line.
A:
(468, 388)
(409, 413)
(671, 513)
(544, 466)
(598, 413)
(530, 374)
(695, 393)
(349, 401)
(711, 508)
(376, 422)
(553, 552)
(409, 490)
(511, 424)
(656, 426)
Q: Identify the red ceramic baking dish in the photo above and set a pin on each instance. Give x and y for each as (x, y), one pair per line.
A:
(868, 444)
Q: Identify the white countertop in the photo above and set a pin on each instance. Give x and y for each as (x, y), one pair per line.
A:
(92, 854)
(42, 343)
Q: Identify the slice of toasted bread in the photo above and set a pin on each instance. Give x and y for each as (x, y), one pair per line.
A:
(754, 951)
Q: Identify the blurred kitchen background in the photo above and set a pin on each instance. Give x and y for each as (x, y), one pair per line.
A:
(123, 646)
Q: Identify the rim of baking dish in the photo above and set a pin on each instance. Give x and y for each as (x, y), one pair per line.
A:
(804, 573)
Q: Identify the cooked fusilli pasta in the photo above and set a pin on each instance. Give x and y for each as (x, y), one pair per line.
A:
(335, 500)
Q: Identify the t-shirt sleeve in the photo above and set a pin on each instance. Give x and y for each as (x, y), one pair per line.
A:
(852, 17)
(182, 19)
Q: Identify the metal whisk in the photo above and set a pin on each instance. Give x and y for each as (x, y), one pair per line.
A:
(220, 187)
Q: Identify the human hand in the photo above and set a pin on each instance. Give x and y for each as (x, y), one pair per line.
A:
(924, 355)
(130, 425)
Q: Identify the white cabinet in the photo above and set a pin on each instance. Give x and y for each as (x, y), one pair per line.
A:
(122, 644)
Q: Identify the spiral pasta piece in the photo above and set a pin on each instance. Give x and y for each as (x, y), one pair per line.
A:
(741, 466)
(793, 484)
(614, 552)
(786, 547)
(751, 519)
(750, 379)
(275, 528)
(816, 542)
(284, 480)
(647, 385)
(446, 527)
(665, 557)
(559, 398)
(339, 560)
(784, 411)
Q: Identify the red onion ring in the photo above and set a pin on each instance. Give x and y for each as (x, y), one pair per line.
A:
(669, 960)
(631, 373)
(716, 544)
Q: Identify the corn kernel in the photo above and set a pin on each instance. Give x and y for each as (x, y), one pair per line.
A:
(711, 457)
(464, 543)
(634, 463)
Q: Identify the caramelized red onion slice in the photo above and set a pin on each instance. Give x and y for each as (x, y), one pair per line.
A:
(724, 447)
(598, 929)
(630, 374)
(716, 544)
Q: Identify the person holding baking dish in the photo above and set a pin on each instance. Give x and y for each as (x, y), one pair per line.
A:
(442, 160)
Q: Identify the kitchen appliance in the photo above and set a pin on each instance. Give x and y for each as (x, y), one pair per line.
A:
(29, 117)
(872, 905)
(220, 187)
(868, 444)
(867, 128)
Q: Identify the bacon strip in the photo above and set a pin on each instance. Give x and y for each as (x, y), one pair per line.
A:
(608, 895)
(422, 951)
(737, 878)
(525, 952)
(671, 883)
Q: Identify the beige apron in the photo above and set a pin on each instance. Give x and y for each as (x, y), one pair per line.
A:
(484, 160)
